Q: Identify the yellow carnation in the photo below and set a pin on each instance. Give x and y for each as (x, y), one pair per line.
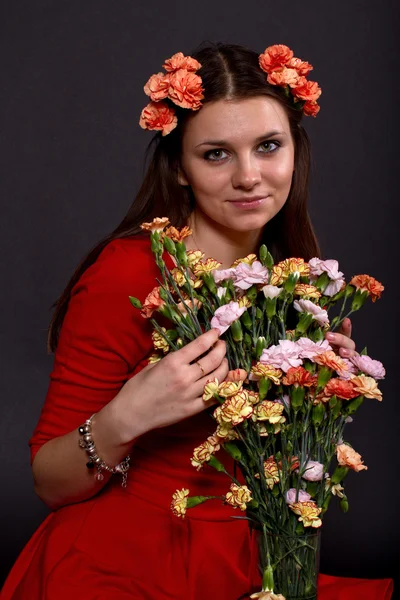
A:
(194, 256)
(234, 410)
(308, 513)
(178, 277)
(305, 290)
(244, 302)
(229, 388)
(270, 411)
(267, 372)
(210, 389)
(271, 472)
(201, 268)
(159, 342)
(203, 453)
(179, 502)
(238, 496)
(249, 259)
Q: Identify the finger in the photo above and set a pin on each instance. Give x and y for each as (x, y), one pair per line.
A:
(220, 373)
(199, 404)
(199, 346)
(340, 340)
(346, 353)
(346, 327)
(208, 363)
(236, 375)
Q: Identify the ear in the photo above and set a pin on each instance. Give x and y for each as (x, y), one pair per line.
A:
(182, 179)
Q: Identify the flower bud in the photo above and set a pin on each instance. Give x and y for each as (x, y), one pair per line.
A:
(351, 407)
(266, 257)
(297, 397)
(339, 474)
(304, 322)
(247, 320)
(135, 302)
(291, 281)
(233, 451)
(268, 578)
(344, 505)
(260, 345)
(252, 293)
(210, 283)
(270, 307)
(169, 246)
(195, 500)
(263, 387)
(237, 331)
(359, 298)
(322, 281)
(181, 254)
(324, 375)
(318, 413)
(216, 464)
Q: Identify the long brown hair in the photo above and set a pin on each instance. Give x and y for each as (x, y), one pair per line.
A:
(228, 72)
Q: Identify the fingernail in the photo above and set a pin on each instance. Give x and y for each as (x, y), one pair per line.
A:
(345, 352)
(330, 336)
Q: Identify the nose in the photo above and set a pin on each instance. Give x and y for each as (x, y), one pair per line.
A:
(247, 173)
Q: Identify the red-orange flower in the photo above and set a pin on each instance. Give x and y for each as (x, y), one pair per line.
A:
(157, 87)
(153, 302)
(302, 67)
(179, 61)
(368, 284)
(275, 57)
(158, 116)
(185, 89)
(284, 77)
(307, 90)
(298, 376)
(340, 388)
(311, 109)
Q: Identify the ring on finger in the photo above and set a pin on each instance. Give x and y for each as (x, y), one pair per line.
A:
(201, 368)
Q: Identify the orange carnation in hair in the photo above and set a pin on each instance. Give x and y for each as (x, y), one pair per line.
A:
(307, 90)
(275, 57)
(157, 87)
(302, 67)
(284, 77)
(158, 116)
(185, 89)
(179, 61)
(311, 109)
(368, 284)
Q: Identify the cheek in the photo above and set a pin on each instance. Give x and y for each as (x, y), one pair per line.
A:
(280, 174)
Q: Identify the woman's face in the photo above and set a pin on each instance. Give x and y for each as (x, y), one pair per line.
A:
(238, 158)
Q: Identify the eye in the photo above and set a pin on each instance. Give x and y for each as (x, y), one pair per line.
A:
(269, 146)
(215, 155)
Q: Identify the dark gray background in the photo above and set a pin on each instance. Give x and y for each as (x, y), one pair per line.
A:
(72, 158)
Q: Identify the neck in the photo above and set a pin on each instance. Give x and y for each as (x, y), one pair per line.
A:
(216, 241)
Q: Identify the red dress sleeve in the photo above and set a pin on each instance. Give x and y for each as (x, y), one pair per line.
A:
(103, 341)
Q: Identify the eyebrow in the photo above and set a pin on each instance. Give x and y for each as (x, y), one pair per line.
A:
(225, 143)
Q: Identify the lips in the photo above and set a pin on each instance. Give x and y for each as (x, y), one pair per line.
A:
(248, 199)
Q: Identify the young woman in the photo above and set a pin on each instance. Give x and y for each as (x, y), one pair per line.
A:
(231, 160)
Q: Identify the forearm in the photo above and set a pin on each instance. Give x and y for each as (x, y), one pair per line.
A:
(59, 468)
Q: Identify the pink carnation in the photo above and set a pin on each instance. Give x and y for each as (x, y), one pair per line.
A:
(349, 372)
(226, 315)
(247, 275)
(373, 368)
(283, 356)
(331, 268)
(309, 349)
(314, 471)
(319, 314)
(291, 496)
(222, 274)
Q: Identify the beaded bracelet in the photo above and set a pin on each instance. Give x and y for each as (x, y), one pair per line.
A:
(86, 442)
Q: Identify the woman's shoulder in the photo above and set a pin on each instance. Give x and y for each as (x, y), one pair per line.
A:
(125, 264)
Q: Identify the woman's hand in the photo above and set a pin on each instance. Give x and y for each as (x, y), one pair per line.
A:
(341, 342)
(171, 390)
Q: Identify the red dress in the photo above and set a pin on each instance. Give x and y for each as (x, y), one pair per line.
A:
(125, 544)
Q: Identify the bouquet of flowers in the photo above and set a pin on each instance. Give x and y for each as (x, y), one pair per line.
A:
(287, 399)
